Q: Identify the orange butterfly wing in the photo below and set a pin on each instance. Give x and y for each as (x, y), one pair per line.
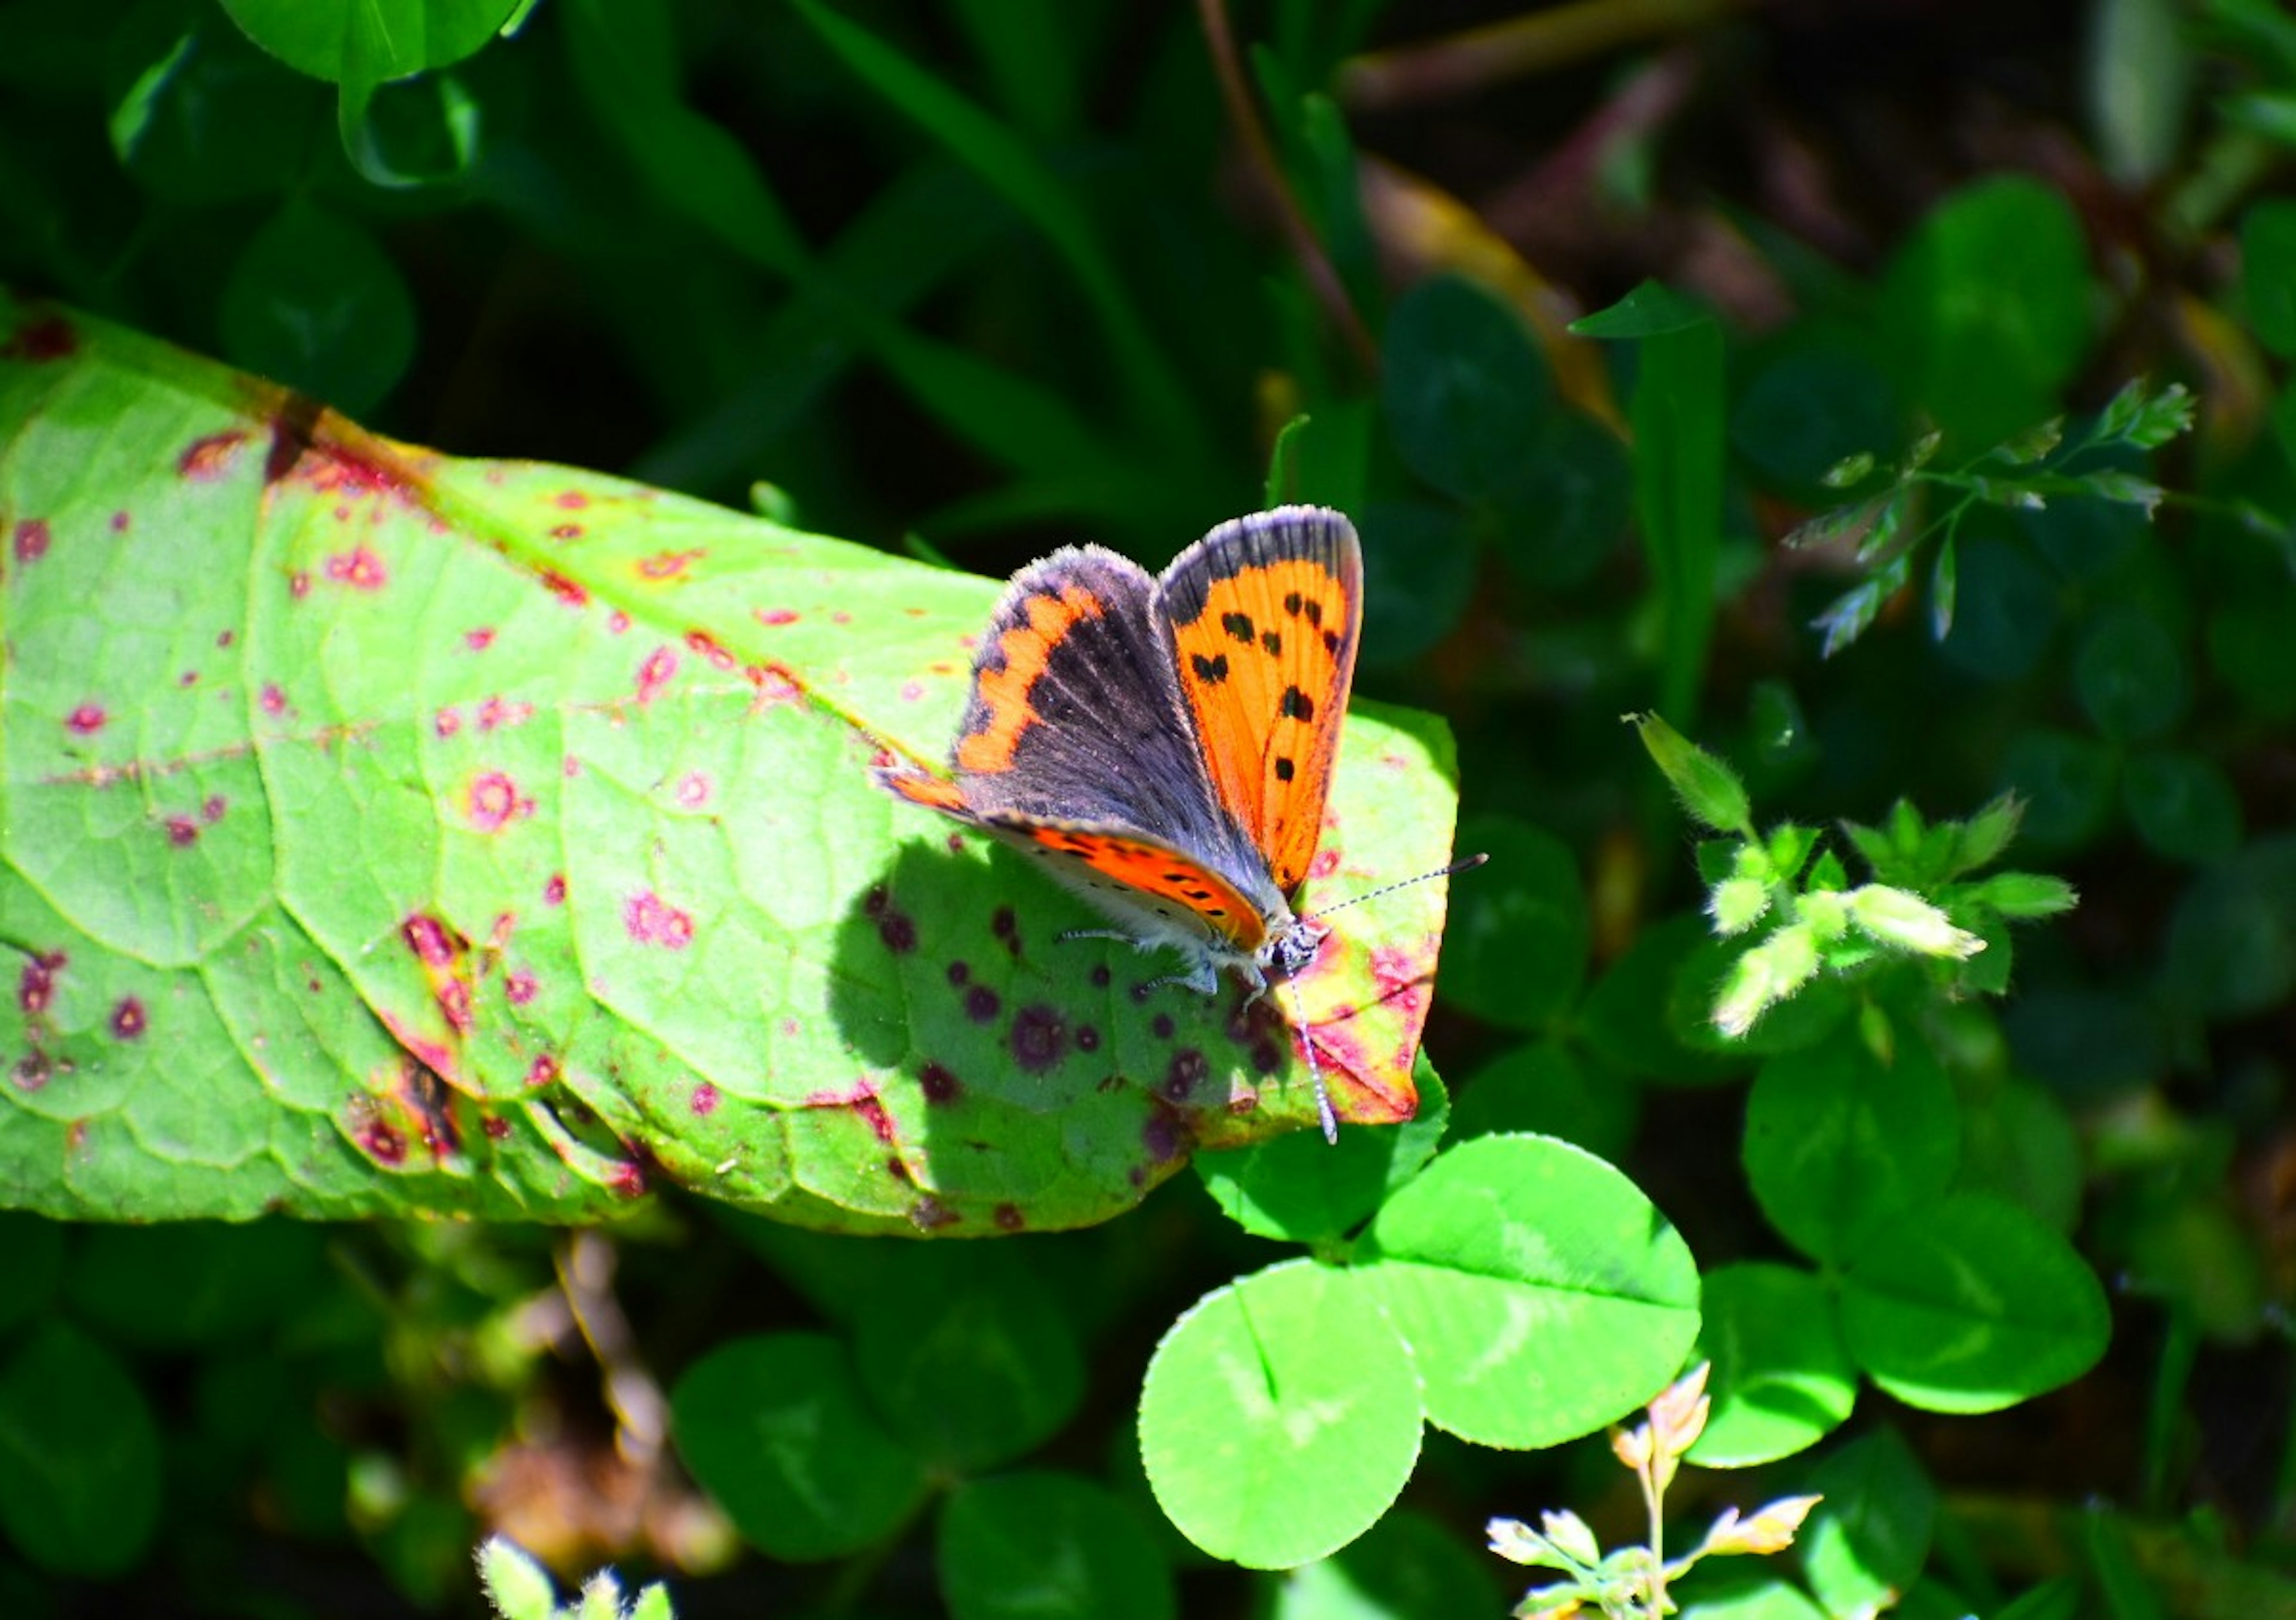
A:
(1264, 614)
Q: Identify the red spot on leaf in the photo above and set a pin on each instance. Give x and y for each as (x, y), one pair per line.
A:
(670, 564)
(298, 584)
(692, 790)
(208, 459)
(650, 920)
(478, 640)
(554, 892)
(31, 539)
(427, 938)
(30, 1072)
(383, 1142)
(225, 638)
(496, 1127)
(707, 645)
(1008, 1217)
(87, 719)
(655, 672)
(1186, 1071)
(543, 1071)
(705, 1099)
(1327, 863)
(42, 339)
(211, 808)
(572, 500)
(190, 678)
(446, 722)
(629, 1180)
(777, 617)
(617, 621)
(879, 1122)
(455, 1001)
(35, 987)
(273, 700)
(119, 521)
(183, 832)
(564, 589)
(519, 988)
(774, 684)
(359, 569)
(939, 1084)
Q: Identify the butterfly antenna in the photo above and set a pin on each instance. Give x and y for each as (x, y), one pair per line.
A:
(1453, 869)
(1315, 1069)
(1323, 1110)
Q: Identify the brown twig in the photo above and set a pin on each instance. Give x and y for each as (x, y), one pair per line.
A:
(1261, 154)
(1528, 44)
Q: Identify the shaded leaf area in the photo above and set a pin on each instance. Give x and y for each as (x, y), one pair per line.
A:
(386, 833)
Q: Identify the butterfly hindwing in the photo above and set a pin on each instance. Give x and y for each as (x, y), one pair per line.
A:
(1263, 615)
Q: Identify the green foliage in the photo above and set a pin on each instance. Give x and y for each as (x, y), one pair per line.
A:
(2022, 473)
(1854, 487)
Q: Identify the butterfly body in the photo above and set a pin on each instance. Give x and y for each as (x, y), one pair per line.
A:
(1163, 746)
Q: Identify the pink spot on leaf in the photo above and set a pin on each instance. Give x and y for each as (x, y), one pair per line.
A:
(572, 500)
(87, 720)
(446, 722)
(543, 1071)
(705, 1098)
(494, 802)
(35, 987)
(211, 808)
(564, 589)
(31, 539)
(273, 700)
(692, 790)
(707, 645)
(650, 920)
(498, 713)
(119, 520)
(655, 672)
(359, 569)
(298, 584)
(183, 832)
(225, 638)
(426, 936)
(554, 893)
(777, 617)
(670, 564)
(519, 988)
(478, 640)
(617, 621)
(455, 1001)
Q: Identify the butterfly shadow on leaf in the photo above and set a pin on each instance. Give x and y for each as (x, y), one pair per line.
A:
(1046, 1082)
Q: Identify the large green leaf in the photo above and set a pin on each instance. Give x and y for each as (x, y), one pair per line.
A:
(385, 833)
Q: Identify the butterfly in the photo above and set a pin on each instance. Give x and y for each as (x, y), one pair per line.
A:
(1163, 745)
